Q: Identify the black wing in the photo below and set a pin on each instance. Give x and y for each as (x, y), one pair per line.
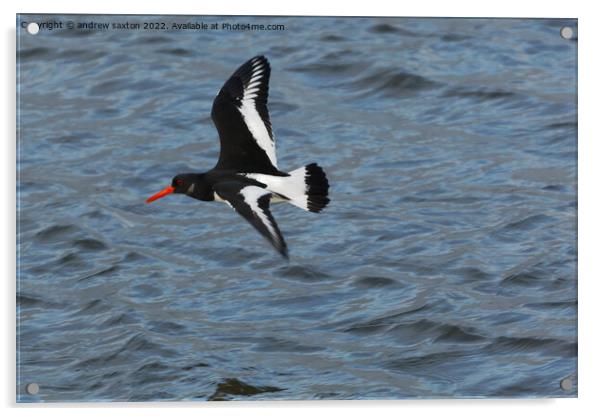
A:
(240, 113)
(253, 203)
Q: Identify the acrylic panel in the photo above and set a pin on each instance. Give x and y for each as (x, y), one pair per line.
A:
(295, 208)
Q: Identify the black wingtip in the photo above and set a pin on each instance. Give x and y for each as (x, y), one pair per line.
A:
(284, 254)
(281, 247)
(247, 67)
(260, 57)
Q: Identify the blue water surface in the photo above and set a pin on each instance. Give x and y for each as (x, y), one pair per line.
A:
(445, 265)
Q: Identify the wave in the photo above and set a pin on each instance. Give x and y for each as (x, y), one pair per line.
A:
(390, 83)
(481, 95)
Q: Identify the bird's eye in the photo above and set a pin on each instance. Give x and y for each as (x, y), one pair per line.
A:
(179, 182)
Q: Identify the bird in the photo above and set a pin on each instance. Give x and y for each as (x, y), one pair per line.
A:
(246, 176)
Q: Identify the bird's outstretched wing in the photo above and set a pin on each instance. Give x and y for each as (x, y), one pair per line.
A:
(253, 203)
(240, 113)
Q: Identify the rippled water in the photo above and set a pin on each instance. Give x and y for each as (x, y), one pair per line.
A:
(445, 265)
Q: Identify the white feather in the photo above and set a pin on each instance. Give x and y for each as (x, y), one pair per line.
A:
(256, 76)
(250, 115)
(251, 195)
(257, 127)
(293, 187)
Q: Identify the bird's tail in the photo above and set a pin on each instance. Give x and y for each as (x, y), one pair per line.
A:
(307, 188)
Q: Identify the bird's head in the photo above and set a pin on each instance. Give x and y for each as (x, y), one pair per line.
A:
(180, 184)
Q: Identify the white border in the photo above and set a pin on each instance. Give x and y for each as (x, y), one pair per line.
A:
(590, 208)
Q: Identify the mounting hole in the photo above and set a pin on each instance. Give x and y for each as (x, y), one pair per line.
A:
(566, 32)
(32, 389)
(33, 28)
(566, 384)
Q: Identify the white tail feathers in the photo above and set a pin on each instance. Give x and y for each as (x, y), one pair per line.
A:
(306, 187)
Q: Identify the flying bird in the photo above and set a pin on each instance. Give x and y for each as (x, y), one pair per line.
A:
(246, 175)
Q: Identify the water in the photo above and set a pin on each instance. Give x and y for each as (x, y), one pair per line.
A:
(445, 265)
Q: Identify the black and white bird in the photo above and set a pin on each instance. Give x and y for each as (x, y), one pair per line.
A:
(246, 176)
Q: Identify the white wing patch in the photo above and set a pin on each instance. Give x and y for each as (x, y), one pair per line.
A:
(252, 118)
(251, 195)
(292, 187)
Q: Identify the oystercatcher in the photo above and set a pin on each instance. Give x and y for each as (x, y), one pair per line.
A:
(246, 176)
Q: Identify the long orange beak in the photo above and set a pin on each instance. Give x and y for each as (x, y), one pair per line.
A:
(161, 194)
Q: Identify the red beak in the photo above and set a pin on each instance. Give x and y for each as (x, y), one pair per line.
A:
(161, 194)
